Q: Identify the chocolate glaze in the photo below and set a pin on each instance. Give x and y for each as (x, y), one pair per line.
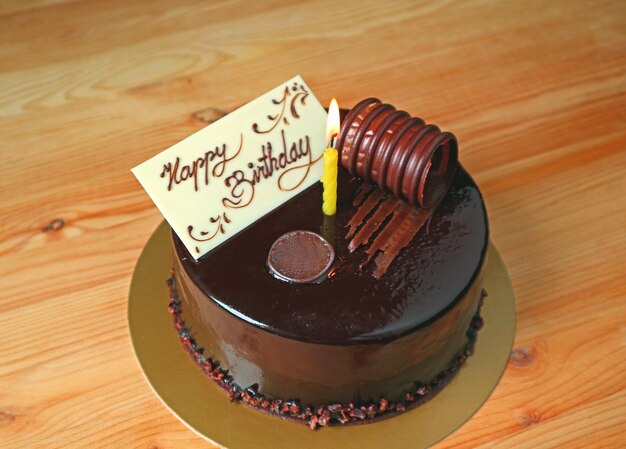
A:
(350, 337)
(350, 306)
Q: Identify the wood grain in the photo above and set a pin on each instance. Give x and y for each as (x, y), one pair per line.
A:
(535, 92)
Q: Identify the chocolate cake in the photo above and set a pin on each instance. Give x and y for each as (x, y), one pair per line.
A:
(392, 319)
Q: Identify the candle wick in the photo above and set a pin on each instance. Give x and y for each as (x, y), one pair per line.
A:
(333, 141)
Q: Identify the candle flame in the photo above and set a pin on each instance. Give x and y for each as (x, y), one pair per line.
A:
(332, 124)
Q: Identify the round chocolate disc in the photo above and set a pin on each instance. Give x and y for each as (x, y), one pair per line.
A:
(300, 257)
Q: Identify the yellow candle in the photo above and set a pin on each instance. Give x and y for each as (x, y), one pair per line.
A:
(329, 181)
(329, 178)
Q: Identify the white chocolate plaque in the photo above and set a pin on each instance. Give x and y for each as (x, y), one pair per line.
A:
(229, 174)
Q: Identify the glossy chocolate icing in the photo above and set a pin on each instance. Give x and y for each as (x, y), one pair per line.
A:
(349, 306)
(351, 336)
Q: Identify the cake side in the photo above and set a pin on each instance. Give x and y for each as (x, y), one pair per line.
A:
(321, 374)
(358, 370)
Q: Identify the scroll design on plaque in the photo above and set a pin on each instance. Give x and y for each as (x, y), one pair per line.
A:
(293, 95)
(217, 222)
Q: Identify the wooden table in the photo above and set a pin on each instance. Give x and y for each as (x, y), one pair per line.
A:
(535, 92)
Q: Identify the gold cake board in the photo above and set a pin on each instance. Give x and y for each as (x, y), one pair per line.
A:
(205, 408)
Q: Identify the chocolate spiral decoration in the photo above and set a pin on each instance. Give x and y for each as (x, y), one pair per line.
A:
(399, 153)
